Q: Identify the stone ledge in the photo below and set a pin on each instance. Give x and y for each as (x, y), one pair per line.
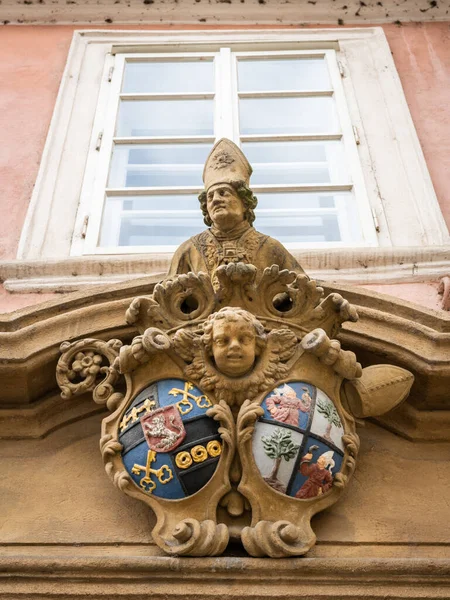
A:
(270, 11)
(359, 266)
(323, 550)
(225, 577)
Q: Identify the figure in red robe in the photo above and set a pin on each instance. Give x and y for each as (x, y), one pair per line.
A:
(284, 406)
(319, 475)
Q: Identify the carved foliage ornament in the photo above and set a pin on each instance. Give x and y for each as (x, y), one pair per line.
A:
(237, 418)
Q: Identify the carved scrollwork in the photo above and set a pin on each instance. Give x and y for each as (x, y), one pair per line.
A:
(279, 296)
(235, 284)
(122, 480)
(174, 303)
(330, 314)
(186, 297)
(233, 501)
(351, 445)
(142, 348)
(221, 412)
(287, 293)
(133, 311)
(329, 353)
(275, 539)
(89, 365)
(196, 538)
(246, 420)
(110, 448)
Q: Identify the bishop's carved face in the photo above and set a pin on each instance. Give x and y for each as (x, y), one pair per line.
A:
(234, 346)
(224, 206)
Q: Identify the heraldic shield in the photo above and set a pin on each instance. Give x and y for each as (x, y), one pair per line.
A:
(233, 416)
(170, 446)
(297, 442)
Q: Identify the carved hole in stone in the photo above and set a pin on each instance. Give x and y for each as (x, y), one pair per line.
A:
(282, 302)
(189, 305)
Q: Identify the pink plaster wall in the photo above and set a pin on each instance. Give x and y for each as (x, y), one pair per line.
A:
(421, 54)
(32, 64)
(33, 59)
(11, 302)
(423, 294)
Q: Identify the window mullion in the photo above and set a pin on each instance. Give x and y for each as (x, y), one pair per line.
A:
(291, 137)
(224, 121)
(138, 140)
(234, 99)
(105, 153)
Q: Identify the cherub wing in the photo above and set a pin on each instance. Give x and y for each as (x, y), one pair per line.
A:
(187, 345)
(282, 344)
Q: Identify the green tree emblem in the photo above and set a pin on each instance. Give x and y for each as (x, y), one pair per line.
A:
(279, 445)
(328, 410)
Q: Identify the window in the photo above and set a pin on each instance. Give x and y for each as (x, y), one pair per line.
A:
(320, 114)
(284, 108)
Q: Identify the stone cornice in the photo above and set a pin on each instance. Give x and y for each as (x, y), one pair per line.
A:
(358, 266)
(260, 12)
(228, 577)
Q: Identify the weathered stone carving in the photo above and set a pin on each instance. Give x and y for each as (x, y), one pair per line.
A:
(222, 359)
(228, 208)
(239, 413)
(88, 365)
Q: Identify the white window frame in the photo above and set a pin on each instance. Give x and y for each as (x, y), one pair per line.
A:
(401, 195)
(226, 125)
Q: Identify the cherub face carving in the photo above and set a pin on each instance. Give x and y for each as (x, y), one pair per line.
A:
(234, 338)
(234, 347)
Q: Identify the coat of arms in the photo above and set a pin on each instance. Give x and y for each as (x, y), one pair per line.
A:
(233, 411)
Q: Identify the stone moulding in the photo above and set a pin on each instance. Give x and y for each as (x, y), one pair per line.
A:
(364, 266)
(388, 330)
(326, 13)
(131, 577)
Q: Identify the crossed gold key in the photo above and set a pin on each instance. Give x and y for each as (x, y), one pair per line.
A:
(163, 474)
(184, 406)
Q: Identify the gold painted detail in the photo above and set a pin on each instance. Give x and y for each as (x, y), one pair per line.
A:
(198, 454)
(163, 474)
(185, 405)
(214, 448)
(147, 406)
(183, 460)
